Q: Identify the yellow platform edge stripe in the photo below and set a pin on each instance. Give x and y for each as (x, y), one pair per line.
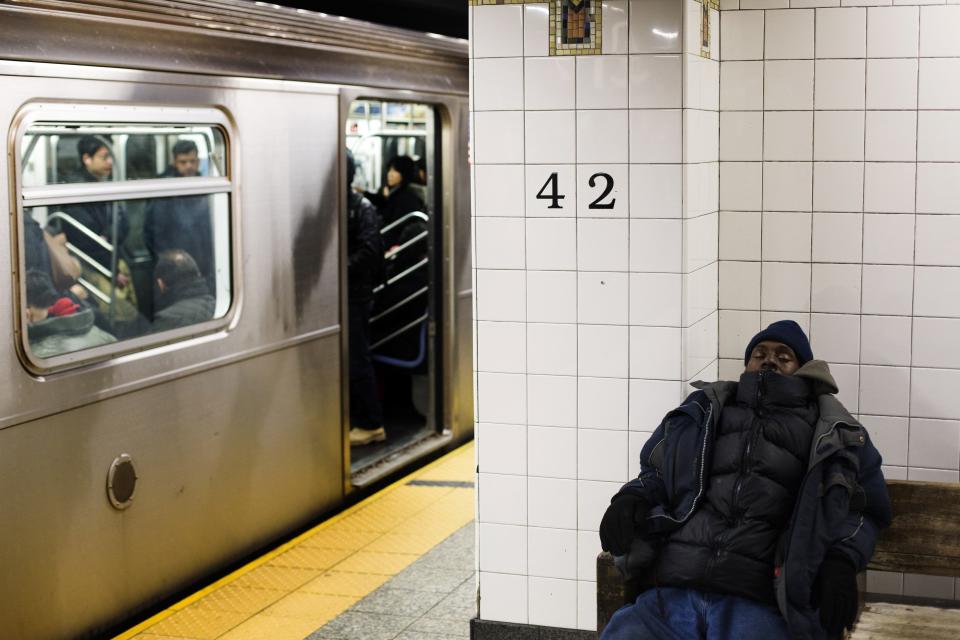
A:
(266, 557)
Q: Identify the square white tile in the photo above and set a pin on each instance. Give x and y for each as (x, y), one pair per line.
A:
(700, 240)
(503, 597)
(887, 290)
(786, 236)
(932, 393)
(602, 245)
(656, 135)
(602, 403)
(885, 391)
(741, 35)
(934, 444)
(552, 401)
(841, 32)
(502, 448)
(789, 34)
(839, 84)
(937, 292)
(547, 137)
(552, 349)
(536, 30)
(593, 496)
(497, 31)
(500, 295)
(549, 83)
(885, 340)
(836, 288)
(655, 299)
(888, 238)
(936, 88)
(602, 297)
(786, 287)
(936, 241)
(892, 84)
(602, 351)
(835, 337)
(788, 135)
(935, 344)
(597, 457)
(656, 245)
(552, 296)
(788, 84)
(937, 136)
(938, 187)
(499, 190)
(504, 498)
(741, 186)
(655, 82)
(502, 548)
(787, 186)
(602, 135)
(655, 353)
(500, 243)
(553, 502)
(739, 235)
(891, 136)
(616, 35)
(498, 137)
(602, 82)
(552, 553)
(588, 548)
(587, 605)
(889, 187)
(938, 31)
(657, 189)
(741, 85)
(551, 452)
(655, 26)
(837, 237)
(701, 129)
(502, 347)
(847, 377)
(551, 243)
(553, 602)
(838, 135)
(650, 401)
(837, 186)
(739, 285)
(736, 330)
(893, 32)
(498, 84)
(889, 435)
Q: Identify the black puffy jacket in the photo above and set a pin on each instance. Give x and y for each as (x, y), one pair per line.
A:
(759, 458)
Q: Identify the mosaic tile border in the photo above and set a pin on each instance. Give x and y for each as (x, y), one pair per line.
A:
(588, 27)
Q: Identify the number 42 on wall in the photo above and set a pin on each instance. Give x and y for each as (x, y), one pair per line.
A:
(602, 181)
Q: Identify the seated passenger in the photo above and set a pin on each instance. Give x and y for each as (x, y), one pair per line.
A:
(57, 324)
(182, 222)
(182, 296)
(757, 504)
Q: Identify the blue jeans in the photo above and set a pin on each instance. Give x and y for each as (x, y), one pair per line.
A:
(693, 615)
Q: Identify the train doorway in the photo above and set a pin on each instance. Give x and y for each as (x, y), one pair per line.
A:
(393, 282)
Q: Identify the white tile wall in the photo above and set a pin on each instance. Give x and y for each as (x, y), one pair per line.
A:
(811, 173)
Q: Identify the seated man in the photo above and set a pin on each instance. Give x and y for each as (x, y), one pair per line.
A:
(182, 296)
(757, 503)
(57, 324)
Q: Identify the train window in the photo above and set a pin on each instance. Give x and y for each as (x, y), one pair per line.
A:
(125, 232)
(61, 153)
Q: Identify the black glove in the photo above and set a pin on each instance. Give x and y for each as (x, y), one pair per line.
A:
(622, 522)
(835, 593)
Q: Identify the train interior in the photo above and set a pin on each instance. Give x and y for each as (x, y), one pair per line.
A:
(393, 145)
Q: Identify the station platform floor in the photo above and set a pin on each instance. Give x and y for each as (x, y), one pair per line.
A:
(398, 565)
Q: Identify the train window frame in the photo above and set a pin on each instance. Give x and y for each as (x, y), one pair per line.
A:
(23, 197)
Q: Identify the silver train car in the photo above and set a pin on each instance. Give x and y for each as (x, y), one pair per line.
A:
(133, 467)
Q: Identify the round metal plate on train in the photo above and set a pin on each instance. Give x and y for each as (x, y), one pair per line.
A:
(121, 481)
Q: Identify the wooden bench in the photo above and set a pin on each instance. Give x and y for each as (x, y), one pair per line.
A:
(923, 538)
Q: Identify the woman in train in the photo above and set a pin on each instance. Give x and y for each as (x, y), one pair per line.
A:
(399, 196)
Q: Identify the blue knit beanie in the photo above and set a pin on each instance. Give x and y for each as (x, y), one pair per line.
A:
(789, 333)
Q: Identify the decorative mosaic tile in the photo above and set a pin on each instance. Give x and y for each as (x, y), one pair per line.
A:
(482, 2)
(575, 27)
(705, 29)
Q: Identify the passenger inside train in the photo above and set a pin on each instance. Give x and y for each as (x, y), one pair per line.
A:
(140, 264)
(58, 323)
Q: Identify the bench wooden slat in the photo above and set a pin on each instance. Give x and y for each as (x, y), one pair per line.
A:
(886, 621)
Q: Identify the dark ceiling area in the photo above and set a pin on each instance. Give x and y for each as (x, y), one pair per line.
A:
(448, 17)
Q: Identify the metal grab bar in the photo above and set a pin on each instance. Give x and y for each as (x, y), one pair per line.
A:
(401, 275)
(82, 228)
(399, 331)
(93, 264)
(392, 253)
(92, 288)
(412, 214)
(393, 308)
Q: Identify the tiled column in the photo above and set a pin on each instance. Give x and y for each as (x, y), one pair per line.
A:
(595, 213)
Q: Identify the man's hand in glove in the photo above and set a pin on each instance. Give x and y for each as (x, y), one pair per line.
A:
(621, 523)
(835, 593)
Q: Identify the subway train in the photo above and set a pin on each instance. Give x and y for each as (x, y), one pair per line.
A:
(188, 160)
